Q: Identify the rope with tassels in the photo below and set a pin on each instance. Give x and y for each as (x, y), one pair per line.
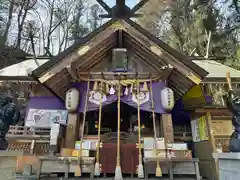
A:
(158, 168)
(118, 171)
(97, 164)
(140, 164)
(78, 170)
(115, 82)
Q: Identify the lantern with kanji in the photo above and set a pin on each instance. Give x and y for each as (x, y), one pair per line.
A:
(167, 99)
(72, 99)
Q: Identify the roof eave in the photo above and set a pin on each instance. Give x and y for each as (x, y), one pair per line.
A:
(17, 78)
(54, 60)
(184, 59)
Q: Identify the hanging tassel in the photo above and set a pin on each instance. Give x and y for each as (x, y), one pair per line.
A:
(126, 91)
(131, 89)
(112, 90)
(78, 168)
(140, 164)
(145, 87)
(118, 171)
(107, 88)
(97, 165)
(97, 169)
(95, 86)
(158, 168)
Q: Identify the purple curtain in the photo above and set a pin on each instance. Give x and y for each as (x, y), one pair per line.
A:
(54, 103)
(82, 87)
(46, 102)
(147, 106)
(179, 115)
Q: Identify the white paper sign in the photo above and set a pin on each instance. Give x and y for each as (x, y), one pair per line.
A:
(45, 117)
(195, 131)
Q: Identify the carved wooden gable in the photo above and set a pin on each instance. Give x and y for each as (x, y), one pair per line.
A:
(134, 64)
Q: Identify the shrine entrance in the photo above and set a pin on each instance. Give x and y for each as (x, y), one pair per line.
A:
(128, 120)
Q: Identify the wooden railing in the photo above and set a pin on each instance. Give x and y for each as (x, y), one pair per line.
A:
(28, 140)
(28, 133)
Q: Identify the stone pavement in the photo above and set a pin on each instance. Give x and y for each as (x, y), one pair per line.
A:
(87, 178)
(47, 178)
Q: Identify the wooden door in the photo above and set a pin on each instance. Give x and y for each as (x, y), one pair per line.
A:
(129, 158)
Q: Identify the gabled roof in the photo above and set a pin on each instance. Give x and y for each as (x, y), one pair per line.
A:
(184, 59)
(98, 45)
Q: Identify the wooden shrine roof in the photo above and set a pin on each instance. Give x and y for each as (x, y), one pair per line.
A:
(20, 71)
(211, 66)
(86, 53)
(11, 55)
(182, 58)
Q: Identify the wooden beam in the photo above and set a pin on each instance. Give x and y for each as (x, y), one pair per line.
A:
(71, 132)
(97, 55)
(95, 63)
(111, 76)
(139, 48)
(120, 38)
(105, 6)
(49, 89)
(99, 49)
(121, 73)
(167, 127)
(143, 62)
(148, 59)
(138, 6)
(72, 72)
(120, 3)
(61, 77)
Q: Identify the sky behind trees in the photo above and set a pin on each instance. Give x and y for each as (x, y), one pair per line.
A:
(130, 3)
(183, 24)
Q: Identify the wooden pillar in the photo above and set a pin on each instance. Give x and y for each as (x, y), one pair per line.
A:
(72, 130)
(212, 143)
(167, 127)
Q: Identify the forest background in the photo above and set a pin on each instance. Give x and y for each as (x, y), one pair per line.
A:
(41, 27)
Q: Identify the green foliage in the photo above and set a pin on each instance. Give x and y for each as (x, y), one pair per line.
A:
(190, 23)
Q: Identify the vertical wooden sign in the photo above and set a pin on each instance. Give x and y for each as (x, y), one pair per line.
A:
(72, 130)
(167, 127)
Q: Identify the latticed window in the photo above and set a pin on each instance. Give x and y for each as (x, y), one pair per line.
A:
(120, 60)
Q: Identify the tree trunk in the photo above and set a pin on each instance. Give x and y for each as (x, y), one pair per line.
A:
(51, 7)
(9, 21)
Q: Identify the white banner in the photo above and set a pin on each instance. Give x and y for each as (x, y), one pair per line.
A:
(199, 129)
(45, 117)
(195, 131)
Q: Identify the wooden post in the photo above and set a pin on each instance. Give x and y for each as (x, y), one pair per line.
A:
(32, 147)
(212, 143)
(167, 127)
(71, 131)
